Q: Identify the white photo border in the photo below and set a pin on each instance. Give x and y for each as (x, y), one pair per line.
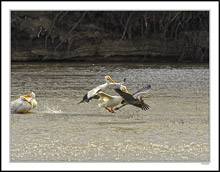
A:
(211, 6)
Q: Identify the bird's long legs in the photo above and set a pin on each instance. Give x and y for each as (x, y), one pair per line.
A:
(110, 110)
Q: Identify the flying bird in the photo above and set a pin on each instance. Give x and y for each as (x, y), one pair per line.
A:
(111, 101)
(136, 99)
(92, 94)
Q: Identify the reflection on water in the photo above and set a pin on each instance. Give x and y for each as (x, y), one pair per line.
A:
(175, 128)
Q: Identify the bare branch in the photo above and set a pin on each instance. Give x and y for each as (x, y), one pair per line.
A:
(126, 26)
(51, 29)
(76, 24)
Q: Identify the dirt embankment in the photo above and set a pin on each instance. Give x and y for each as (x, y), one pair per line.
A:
(109, 50)
(110, 36)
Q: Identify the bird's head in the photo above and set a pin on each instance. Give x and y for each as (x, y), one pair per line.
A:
(108, 79)
(124, 89)
(32, 95)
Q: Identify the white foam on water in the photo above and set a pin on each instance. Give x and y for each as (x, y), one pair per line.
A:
(53, 109)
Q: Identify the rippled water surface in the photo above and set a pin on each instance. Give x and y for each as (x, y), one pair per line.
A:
(175, 128)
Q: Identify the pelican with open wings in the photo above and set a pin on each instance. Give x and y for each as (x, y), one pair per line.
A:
(111, 101)
(136, 99)
(93, 93)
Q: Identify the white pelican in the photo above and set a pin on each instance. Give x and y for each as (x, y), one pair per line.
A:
(111, 101)
(93, 93)
(30, 98)
(136, 99)
(21, 105)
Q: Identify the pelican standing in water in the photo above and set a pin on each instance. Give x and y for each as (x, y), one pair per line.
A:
(93, 93)
(136, 99)
(111, 101)
(21, 105)
(30, 98)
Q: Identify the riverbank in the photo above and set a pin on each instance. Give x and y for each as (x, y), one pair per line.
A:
(111, 51)
(105, 36)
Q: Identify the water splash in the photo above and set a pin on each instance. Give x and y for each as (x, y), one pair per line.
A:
(53, 110)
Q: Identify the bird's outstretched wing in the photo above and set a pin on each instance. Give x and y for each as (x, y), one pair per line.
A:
(142, 91)
(93, 92)
(104, 96)
(126, 96)
(145, 89)
(145, 106)
(141, 105)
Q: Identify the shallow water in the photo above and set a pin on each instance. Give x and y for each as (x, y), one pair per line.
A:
(175, 128)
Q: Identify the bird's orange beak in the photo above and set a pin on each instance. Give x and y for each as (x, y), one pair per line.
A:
(27, 101)
(125, 90)
(26, 96)
(110, 79)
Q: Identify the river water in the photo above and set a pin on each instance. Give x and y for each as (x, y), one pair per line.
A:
(174, 129)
